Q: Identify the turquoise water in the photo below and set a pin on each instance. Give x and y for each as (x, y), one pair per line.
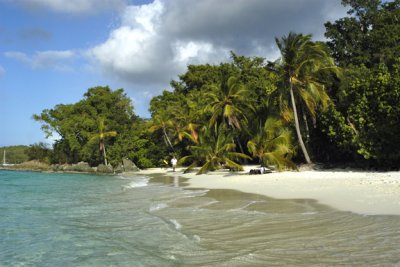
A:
(87, 220)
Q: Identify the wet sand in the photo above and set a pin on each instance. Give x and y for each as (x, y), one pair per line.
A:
(370, 193)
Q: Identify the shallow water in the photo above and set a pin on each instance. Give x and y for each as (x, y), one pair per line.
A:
(87, 220)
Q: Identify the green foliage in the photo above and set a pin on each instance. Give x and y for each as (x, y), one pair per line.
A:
(100, 137)
(87, 127)
(370, 102)
(227, 103)
(272, 145)
(214, 111)
(39, 151)
(371, 35)
(207, 96)
(199, 76)
(139, 145)
(364, 123)
(215, 150)
(301, 66)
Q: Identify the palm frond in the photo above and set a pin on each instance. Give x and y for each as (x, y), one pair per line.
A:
(233, 165)
(205, 168)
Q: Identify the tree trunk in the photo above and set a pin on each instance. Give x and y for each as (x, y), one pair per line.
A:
(105, 154)
(169, 141)
(297, 125)
(241, 150)
(306, 125)
(237, 140)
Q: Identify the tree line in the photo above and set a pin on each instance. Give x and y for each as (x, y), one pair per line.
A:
(332, 102)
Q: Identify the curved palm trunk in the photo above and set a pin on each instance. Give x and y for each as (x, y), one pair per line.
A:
(167, 138)
(241, 149)
(105, 155)
(103, 147)
(297, 126)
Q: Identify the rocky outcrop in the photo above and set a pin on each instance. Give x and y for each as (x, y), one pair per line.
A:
(119, 169)
(129, 166)
(32, 165)
(104, 169)
(79, 167)
(82, 167)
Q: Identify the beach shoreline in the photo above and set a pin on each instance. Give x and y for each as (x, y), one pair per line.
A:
(361, 192)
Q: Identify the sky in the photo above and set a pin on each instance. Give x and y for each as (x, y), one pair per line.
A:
(52, 51)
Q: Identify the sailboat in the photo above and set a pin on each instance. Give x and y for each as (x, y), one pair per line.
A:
(4, 159)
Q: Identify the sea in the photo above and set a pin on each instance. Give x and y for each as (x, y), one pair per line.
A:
(53, 219)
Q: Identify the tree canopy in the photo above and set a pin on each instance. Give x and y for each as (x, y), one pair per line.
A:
(101, 119)
(253, 110)
(370, 35)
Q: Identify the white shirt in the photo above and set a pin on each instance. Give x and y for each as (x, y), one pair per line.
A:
(174, 161)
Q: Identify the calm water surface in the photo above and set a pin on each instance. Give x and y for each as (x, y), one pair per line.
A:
(86, 220)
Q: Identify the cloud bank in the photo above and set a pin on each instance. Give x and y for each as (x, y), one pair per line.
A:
(153, 43)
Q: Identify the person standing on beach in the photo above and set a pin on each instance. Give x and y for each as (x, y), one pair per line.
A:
(174, 161)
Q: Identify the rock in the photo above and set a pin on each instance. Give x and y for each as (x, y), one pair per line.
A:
(119, 169)
(129, 166)
(105, 169)
(307, 167)
(56, 167)
(79, 167)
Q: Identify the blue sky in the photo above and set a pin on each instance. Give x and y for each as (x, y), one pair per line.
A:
(52, 51)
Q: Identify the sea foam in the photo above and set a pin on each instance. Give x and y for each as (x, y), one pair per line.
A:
(157, 206)
(137, 182)
(176, 224)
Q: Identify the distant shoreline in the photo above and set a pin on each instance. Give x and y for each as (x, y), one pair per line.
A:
(51, 171)
(362, 192)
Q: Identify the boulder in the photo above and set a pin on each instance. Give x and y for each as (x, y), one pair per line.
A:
(79, 167)
(105, 169)
(119, 168)
(129, 166)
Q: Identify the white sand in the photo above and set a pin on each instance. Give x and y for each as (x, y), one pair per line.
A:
(360, 192)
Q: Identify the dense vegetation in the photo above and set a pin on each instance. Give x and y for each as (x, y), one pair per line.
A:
(99, 127)
(330, 102)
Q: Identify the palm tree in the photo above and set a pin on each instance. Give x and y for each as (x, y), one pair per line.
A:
(187, 129)
(185, 125)
(300, 65)
(227, 101)
(272, 145)
(101, 136)
(215, 150)
(160, 121)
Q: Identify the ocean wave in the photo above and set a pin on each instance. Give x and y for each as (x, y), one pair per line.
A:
(157, 206)
(176, 224)
(137, 182)
(196, 238)
(195, 193)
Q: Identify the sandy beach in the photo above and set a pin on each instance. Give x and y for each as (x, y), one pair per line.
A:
(369, 193)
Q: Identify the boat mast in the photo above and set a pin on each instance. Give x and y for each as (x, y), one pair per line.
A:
(4, 157)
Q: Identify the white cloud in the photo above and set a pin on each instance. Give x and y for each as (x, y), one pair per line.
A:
(196, 52)
(73, 6)
(155, 42)
(136, 48)
(57, 60)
